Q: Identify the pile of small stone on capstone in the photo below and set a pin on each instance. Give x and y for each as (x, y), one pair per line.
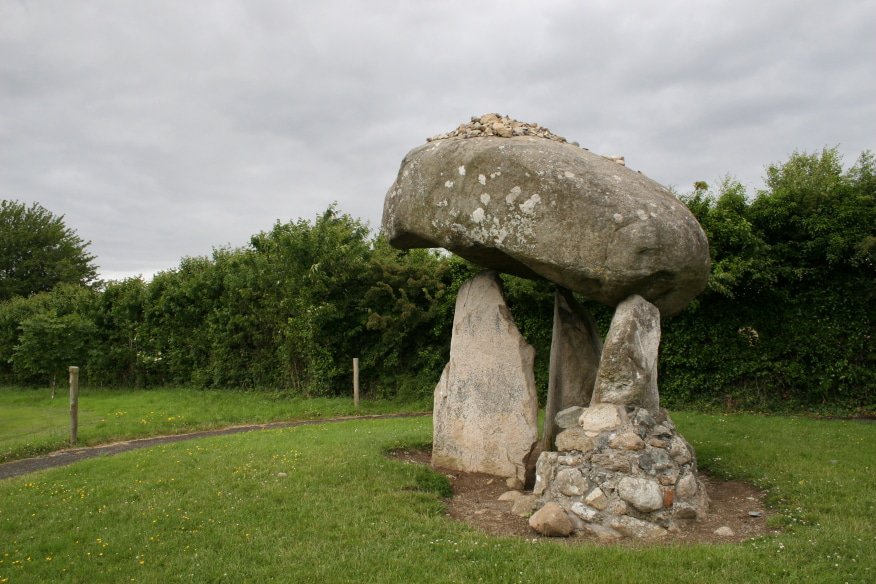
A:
(497, 125)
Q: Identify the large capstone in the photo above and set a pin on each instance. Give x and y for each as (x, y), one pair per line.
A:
(485, 414)
(541, 208)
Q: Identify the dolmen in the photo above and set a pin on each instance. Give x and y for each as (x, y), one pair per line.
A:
(515, 198)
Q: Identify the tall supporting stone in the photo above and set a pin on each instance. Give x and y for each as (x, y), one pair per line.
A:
(628, 370)
(486, 409)
(575, 352)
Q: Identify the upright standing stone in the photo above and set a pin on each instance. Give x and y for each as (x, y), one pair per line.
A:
(628, 370)
(575, 352)
(485, 414)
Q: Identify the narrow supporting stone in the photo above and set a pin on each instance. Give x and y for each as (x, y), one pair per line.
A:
(628, 370)
(485, 414)
(575, 352)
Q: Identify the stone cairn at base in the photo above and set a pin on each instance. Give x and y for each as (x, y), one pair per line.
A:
(515, 198)
(619, 471)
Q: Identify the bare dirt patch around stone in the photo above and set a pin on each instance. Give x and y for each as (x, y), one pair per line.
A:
(476, 502)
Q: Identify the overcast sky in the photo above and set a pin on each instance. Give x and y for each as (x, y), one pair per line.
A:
(162, 129)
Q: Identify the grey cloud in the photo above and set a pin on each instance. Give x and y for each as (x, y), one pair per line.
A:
(162, 129)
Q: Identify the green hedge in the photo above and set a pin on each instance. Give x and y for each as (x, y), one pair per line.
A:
(787, 319)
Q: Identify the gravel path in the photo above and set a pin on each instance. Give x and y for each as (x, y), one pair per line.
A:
(65, 457)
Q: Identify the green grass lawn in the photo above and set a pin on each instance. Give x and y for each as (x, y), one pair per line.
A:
(323, 504)
(32, 423)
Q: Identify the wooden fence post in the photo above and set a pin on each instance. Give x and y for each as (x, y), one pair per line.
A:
(356, 382)
(74, 403)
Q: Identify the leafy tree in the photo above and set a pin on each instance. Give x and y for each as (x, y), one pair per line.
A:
(120, 358)
(176, 336)
(788, 315)
(12, 313)
(322, 271)
(40, 336)
(38, 251)
(49, 344)
(409, 304)
(815, 217)
(740, 258)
